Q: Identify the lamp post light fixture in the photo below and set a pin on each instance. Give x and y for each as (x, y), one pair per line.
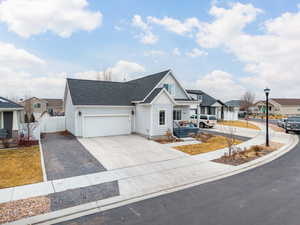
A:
(267, 92)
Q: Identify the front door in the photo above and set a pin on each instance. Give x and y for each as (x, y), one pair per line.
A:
(8, 122)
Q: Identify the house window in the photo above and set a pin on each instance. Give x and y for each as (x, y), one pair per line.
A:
(212, 111)
(162, 117)
(37, 105)
(177, 114)
(169, 88)
(202, 110)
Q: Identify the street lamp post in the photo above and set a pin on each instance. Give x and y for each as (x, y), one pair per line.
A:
(267, 91)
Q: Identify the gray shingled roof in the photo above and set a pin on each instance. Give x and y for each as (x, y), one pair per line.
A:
(207, 100)
(92, 92)
(153, 94)
(7, 104)
(234, 103)
(145, 84)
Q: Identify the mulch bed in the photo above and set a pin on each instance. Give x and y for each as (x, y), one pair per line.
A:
(16, 210)
(247, 155)
(165, 141)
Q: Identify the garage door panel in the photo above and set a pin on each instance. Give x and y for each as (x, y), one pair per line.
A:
(96, 126)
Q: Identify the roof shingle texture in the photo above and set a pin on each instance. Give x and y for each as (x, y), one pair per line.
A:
(54, 102)
(207, 100)
(233, 103)
(287, 101)
(153, 94)
(7, 104)
(92, 92)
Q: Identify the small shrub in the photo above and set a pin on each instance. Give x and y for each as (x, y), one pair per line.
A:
(25, 142)
(5, 142)
(169, 135)
(65, 133)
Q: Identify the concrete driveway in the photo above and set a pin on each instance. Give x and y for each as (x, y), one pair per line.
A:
(127, 150)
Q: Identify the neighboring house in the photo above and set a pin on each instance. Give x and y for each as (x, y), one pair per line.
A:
(211, 106)
(234, 107)
(147, 106)
(10, 116)
(55, 107)
(279, 106)
(40, 106)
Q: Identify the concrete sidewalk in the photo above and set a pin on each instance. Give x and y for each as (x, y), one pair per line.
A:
(148, 180)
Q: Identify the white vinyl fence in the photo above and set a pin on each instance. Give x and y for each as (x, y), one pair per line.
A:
(231, 115)
(44, 125)
(34, 130)
(52, 124)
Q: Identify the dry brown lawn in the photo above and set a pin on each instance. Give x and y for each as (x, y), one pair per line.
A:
(20, 166)
(238, 123)
(212, 144)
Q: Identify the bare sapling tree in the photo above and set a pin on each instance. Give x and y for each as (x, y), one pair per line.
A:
(29, 118)
(247, 101)
(230, 138)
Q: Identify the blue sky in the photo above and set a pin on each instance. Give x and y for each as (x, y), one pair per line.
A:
(109, 37)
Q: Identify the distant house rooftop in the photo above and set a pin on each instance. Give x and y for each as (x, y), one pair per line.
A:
(8, 104)
(233, 103)
(207, 100)
(287, 101)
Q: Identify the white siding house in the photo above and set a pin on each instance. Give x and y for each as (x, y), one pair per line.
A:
(145, 106)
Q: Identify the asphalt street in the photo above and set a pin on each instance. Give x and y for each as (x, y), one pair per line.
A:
(267, 195)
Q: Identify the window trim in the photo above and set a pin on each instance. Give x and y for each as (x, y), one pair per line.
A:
(170, 88)
(37, 105)
(175, 114)
(159, 117)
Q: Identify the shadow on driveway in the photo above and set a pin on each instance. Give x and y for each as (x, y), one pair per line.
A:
(66, 157)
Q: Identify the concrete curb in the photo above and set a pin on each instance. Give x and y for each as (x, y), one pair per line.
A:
(98, 206)
(43, 162)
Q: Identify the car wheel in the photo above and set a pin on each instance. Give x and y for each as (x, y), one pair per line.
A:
(201, 125)
(286, 131)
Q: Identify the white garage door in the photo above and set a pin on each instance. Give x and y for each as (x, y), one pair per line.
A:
(106, 125)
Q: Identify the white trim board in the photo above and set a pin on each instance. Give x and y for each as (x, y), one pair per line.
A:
(106, 115)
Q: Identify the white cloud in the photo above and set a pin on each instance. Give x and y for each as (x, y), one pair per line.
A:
(228, 24)
(176, 52)
(146, 36)
(118, 28)
(217, 83)
(137, 21)
(19, 68)
(175, 25)
(10, 56)
(62, 17)
(17, 74)
(121, 70)
(271, 57)
(20, 84)
(195, 52)
(154, 53)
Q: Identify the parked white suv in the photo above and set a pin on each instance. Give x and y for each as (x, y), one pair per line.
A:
(205, 121)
